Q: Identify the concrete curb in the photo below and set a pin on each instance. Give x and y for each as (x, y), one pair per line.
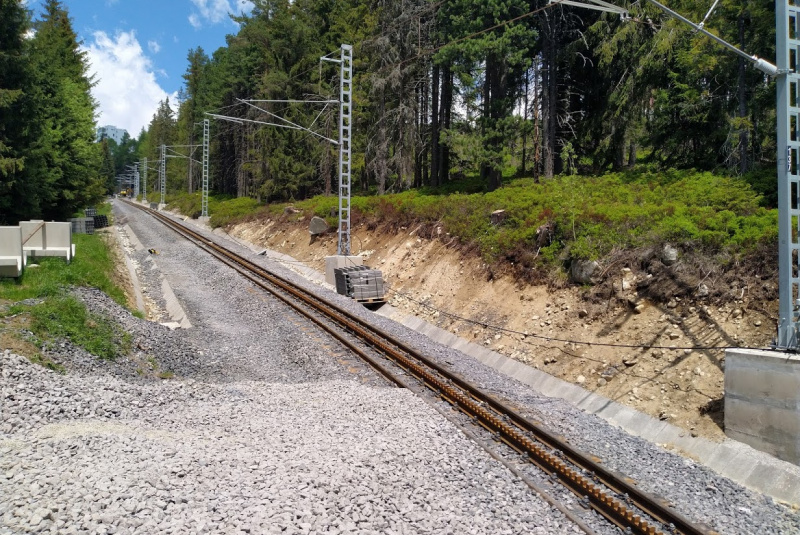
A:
(137, 288)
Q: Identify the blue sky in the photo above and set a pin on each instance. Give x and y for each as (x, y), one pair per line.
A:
(137, 49)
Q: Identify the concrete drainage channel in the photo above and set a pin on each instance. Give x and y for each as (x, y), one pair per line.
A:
(734, 460)
(173, 308)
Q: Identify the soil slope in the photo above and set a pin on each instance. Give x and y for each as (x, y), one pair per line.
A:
(631, 338)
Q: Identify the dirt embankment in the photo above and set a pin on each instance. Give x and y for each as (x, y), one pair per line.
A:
(633, 336)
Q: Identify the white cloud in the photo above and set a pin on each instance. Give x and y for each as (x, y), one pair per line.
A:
(213, 11)
(216, 11)
(126, 90)
(154, 47)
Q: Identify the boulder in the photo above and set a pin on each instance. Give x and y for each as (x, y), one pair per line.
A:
(317, 226)
(581, 271)
(703, 291)
(669, 255)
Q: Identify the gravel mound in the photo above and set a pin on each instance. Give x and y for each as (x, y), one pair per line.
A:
(84, 454)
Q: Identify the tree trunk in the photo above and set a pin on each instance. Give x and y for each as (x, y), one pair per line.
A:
(381, 154)
(191, 142)
(743, 137)
(435, 174)
(525, 125)
(445, 123)
(632, 155)
(550, 102)
(537, 134)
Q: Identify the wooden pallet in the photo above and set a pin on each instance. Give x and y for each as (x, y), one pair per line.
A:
(372, 300)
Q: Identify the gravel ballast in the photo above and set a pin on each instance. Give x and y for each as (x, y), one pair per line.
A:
(264, 430)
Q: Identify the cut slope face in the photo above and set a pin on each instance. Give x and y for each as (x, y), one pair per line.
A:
(611, 339)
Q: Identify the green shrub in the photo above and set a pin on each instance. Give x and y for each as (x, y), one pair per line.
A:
(591, 215)
(222, 212)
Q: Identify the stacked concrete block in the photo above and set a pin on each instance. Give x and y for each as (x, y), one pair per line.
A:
(762, 401)
(12, 257)
(82, 225)
(51, 238)
(360, 283)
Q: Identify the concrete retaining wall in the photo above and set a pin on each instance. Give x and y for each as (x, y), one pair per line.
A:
(762, 398)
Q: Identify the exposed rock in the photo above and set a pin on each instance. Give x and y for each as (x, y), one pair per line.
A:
(317, 226)
(703, 291)
(669, 255)
(581, 271)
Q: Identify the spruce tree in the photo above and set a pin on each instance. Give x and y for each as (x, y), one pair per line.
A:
(68, 158)
(16, 196)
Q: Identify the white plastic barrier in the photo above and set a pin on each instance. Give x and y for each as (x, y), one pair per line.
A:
(50, 238)
(12, 257)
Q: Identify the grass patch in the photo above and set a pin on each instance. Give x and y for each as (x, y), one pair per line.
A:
(41, 299)
(92, 266)
(65, 317)
(222, 209)
(50, 364)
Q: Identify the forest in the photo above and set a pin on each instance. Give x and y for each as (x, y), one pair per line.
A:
(444, 93)
(491, 89)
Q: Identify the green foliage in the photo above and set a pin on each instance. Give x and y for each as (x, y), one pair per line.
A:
(590, 216)
(189, 204)
(222, 209)
(224, 212)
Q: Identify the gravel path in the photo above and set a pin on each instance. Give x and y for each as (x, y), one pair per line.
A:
(266, 430)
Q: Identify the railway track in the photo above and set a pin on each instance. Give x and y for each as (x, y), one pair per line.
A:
(613, 496)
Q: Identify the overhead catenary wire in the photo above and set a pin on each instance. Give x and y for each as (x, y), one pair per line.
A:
(563, 340)
(544, 337)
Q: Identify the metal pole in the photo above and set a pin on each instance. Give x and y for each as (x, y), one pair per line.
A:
(788, 115)
(163, 172)
(204, 201)
(345, 102)
(135, 180)
(144, 179)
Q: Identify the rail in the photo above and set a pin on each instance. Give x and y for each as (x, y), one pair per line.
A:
(610, 494)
